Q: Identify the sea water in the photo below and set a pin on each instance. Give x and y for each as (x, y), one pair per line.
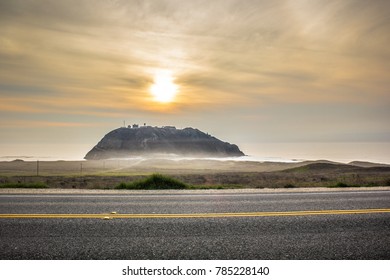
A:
(378, 152)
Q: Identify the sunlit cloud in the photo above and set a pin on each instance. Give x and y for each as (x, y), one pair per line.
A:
(247, 60)
(45, 124)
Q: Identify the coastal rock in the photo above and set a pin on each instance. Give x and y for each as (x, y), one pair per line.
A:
(148, 141)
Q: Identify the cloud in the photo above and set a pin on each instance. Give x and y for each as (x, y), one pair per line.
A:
(243, 58)
(44, 124)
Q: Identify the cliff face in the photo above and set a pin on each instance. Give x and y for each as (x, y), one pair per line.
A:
(146, 141)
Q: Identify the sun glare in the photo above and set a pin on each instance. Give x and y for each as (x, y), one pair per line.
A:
(163, 89)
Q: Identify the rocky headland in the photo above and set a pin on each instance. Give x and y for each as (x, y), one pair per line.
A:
(128, 142)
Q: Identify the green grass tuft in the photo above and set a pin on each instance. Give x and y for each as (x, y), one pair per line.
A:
(343, 185)
(215, 187)
(23, 185)
(154, 182)
(289, 186)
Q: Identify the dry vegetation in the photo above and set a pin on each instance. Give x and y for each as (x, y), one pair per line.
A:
(197, 173)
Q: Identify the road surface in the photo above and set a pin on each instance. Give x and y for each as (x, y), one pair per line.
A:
(196, 225)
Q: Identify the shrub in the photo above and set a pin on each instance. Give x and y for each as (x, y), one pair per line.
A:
(341, 185)
(215, 187)
(154, 182)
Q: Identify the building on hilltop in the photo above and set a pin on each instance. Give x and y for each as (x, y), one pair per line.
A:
(144, 125)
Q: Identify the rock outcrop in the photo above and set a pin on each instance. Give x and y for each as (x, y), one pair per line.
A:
(149, 141)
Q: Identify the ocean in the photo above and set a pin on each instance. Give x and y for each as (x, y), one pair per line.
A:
(378, 152)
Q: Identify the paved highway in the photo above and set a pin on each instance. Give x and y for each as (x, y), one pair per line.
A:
(196, 225)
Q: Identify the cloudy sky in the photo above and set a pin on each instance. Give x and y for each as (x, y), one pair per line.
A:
(248, 72)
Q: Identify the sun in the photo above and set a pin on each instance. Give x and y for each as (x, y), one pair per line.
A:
(163, 89)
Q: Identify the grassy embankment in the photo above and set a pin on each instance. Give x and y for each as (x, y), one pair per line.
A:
(160, 181)
(23, 185)
(197, 174)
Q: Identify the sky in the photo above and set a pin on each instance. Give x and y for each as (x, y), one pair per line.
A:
(252, 73)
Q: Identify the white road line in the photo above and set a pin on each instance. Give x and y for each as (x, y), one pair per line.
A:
(185, 195)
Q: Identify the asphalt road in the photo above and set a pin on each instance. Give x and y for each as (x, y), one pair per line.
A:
(184, 226)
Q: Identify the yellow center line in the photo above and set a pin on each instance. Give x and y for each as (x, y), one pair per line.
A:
(193, 215)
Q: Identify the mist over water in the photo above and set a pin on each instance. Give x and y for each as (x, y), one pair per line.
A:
(260, 152)
(343, 152)
(162, 157)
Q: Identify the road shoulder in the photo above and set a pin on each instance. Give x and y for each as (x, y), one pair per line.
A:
(211, 191)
